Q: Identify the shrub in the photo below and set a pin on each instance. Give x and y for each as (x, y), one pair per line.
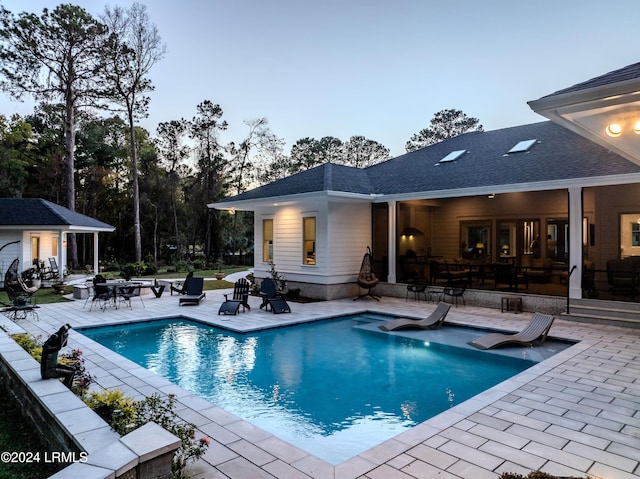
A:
(30, 344)
(82, 379)
(124, 414)
(183, 265)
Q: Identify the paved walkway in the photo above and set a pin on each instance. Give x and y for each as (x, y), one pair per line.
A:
(572, 415)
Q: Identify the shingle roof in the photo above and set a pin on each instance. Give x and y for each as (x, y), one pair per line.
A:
(39, 212)
(630, 72)
(327, 177)
(559, 154)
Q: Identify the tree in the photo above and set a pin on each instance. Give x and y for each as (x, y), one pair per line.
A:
(444, 124)
(173, 151)
(361, 152)
(54, 56)
(204, 129)
(15, 144)
(133, 48)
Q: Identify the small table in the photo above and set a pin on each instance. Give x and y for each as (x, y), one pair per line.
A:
(511, 302)
(157, 289)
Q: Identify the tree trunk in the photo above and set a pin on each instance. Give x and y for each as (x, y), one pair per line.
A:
(69, 159)
(135, 188)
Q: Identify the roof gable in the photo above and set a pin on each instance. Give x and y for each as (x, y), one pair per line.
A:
(39, 212)
(326, 177)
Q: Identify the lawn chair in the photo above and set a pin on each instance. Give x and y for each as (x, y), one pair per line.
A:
(181, 287)
(434, 320)
(194, 293)
(537, 329)
(240, 297)
(271, 299)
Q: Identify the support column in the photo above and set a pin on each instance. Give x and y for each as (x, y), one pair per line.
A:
(62, 254)
(95, 253)
(576, 235)
(393, 253)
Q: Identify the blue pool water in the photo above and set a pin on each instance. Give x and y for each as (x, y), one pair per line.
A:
(333, 388)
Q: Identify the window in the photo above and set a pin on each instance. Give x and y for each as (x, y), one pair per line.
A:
(309, 240)
(35, 248)
(635, 234)
(54, 246)
(267, 241)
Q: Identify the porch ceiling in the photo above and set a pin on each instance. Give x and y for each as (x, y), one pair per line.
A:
(589, 111)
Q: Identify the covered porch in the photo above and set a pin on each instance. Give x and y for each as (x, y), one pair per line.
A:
(580, 242)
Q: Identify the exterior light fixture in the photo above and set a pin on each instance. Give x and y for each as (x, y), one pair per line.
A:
(614, 130)
(491, 196)
(636, 128)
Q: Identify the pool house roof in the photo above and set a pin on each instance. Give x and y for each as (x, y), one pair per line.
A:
(36, 213)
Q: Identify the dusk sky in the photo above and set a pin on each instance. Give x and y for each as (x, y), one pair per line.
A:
(372, 68)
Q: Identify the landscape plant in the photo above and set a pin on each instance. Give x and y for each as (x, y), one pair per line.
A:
(123, 413)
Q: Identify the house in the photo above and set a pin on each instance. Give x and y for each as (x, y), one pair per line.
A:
(33, 228)
(561, 191)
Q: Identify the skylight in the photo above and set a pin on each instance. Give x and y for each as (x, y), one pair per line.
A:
(454, 155)
(523, 145)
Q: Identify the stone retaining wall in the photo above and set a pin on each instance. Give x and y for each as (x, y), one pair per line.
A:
(66, 425)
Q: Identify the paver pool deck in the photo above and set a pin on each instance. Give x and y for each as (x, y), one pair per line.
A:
(575, 414)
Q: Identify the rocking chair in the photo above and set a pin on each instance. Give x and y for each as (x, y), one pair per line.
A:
(367, 278)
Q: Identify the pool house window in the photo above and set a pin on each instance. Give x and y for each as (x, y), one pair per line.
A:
(267, 241)
(309, 240)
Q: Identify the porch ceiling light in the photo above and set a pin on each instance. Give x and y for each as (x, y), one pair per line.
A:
(614, 130)
(411, 231)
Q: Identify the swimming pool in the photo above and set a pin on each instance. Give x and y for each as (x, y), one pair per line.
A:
(333, 388)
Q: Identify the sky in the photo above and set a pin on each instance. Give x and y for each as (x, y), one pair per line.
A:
(372, 68)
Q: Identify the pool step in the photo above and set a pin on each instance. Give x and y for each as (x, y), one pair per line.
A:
(604, 312)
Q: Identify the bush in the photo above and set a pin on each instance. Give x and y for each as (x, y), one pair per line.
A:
(183, 266)
(30, 344)
(140, 268)
(124, 415)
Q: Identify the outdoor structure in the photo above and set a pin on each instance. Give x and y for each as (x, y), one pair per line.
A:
(557, 198)
(33, 228)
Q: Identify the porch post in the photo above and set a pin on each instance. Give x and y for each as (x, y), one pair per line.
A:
(95, 252)
(575, 242)
(62, 254)
(391, 255)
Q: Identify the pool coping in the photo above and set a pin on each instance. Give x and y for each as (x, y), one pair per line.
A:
(243, 447)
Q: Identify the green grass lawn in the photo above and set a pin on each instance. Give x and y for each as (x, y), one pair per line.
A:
(17, 435)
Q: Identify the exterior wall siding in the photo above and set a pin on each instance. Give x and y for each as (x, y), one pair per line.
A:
(343, 231)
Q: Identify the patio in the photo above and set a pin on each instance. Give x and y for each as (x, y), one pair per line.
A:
(571, 415)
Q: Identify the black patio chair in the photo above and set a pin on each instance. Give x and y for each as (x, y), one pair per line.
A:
(271, 299)
(102, 293)
(239, 297)
(181, 287)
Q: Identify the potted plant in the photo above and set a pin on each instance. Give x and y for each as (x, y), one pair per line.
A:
(220, 275)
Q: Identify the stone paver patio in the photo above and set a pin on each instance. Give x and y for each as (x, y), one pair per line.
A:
(575, 414)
